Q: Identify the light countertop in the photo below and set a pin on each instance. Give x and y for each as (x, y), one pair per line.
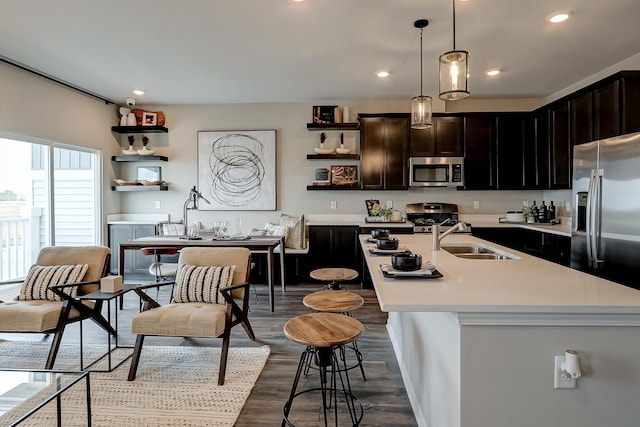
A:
(356, 220)
(524, 285)
(493, 221)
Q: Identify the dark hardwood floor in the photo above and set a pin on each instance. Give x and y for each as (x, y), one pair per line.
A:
(383, 396)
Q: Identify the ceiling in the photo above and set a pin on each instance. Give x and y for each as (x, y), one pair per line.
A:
(230, 51)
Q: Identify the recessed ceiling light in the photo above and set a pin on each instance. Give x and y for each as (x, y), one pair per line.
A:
(493, 72)
(138, 92)
(558, 17)
(382, 74)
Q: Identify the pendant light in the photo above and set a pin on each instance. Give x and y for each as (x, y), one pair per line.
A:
(454, 70)
(421, 105)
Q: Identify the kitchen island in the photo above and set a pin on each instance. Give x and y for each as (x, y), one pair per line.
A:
(477, 346)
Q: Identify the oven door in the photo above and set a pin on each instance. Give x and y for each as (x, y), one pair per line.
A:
(435, 172)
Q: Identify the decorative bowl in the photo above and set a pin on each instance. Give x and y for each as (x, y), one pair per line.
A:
(324, 150)
(515, 216)
(377, 233)
(387, 243)
(406, 262)
(340, 150)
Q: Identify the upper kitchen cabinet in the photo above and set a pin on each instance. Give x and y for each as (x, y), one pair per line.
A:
(560, 149)
(479, 162)
(514, 138)
(581, 118)
(541, 148)
(384, 148)
(606, 110)
(443, 139)
(630, 101)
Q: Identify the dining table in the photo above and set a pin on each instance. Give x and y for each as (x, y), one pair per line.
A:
(256, 244)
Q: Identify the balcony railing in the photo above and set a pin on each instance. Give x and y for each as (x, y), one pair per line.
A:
(15, 253)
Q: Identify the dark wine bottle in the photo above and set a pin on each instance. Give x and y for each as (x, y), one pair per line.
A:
(552, 211)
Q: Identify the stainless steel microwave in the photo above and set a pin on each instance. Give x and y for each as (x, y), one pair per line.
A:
(436, 171)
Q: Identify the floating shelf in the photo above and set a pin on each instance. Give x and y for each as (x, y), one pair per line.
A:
(138, 158)
(333, 156)
(139, 129)
(139, 188)
(332, 187)
(333, 126)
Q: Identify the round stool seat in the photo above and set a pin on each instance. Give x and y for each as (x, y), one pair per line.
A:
(323, 330)
(160, 250)
(333, 302)
(333, 274)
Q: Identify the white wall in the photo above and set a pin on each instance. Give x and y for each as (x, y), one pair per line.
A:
(36, 110)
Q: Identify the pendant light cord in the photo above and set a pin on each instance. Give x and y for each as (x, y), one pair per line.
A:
(421, 30)
(454, 24)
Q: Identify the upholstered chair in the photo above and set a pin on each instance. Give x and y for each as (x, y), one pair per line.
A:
(209, 297)
(47, 300)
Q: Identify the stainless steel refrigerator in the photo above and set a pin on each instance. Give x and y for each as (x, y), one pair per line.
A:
(605, 238)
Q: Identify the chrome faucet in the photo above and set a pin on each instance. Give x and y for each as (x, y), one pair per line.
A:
(437, 237)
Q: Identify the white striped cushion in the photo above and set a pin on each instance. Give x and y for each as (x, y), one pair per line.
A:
(40, 277)
(201, 284)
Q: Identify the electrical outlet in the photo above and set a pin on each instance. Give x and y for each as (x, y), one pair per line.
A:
(558, 381)
(389, 204)
(476, 204)
(157, 204)
(525, 203)
(567, 207)
(334, 204)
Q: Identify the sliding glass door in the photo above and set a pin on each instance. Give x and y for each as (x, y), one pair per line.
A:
(49, 196)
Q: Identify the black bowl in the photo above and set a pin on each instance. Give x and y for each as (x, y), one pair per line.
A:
(387, 243)
(379, 234)
(406, 262)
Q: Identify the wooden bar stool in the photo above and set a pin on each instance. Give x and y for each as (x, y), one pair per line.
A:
(324, 335)
(337, 302)
(333, 275)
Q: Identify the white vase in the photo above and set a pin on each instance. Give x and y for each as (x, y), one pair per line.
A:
(123, 120)
(131, 120)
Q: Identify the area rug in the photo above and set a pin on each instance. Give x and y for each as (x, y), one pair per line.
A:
(175, 386)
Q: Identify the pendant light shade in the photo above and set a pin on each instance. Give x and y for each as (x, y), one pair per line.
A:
(421, 105)
(454, 70)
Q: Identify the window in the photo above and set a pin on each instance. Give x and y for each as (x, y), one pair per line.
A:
(37, 179)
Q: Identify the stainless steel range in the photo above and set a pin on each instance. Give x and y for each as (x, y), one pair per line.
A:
(424, 215)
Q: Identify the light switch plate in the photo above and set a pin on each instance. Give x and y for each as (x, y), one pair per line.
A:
(389, 204)
(476, 204)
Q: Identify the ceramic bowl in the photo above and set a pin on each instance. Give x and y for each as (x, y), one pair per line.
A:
(343, 150)
(406, 262)
(324, 150)
(387, 243)
(377, 233)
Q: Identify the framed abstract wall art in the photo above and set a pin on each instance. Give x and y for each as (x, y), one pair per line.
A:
(237, 170)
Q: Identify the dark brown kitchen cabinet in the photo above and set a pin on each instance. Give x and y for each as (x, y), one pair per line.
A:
(541, 148)
(606, 110)
(514, 138)
(630, 102)
(334, 246)
(581, 111)
(560, 152)
(443, 139)
(479, 162)
(384, 148)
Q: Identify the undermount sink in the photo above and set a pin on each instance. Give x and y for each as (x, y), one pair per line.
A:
(476, 251)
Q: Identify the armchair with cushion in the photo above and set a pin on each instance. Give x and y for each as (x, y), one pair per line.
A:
(209, 297)
(47, 302)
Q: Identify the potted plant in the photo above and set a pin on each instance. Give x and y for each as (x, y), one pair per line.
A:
(385, 213)
(529, 213)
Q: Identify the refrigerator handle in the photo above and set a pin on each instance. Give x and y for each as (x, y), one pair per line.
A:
(589, 219)
(597, 210)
